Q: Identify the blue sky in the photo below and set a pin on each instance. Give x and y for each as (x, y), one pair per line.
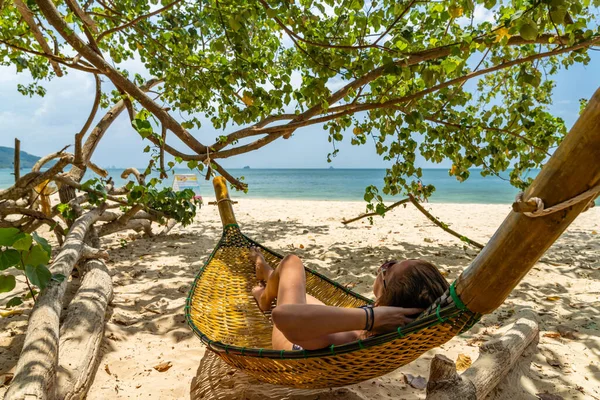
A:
(47, 124)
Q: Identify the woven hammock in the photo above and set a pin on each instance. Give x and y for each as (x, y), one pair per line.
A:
(221, 310)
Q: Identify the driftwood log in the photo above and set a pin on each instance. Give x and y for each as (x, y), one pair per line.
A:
(496, 358)
(82, 331)
(36, 370)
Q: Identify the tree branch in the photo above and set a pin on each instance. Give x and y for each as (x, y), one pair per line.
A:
(37, 33)
(79, 160)
(136, 20)
(87, 20)
(32, 179)
(55, 19)
(441, 224)
(372, 214)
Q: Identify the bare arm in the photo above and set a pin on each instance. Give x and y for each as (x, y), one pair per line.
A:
(301, 323)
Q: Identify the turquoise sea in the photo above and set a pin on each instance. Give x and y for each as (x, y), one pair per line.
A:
(342, 184)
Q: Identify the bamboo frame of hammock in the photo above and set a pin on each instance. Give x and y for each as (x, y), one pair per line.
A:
(221, 311)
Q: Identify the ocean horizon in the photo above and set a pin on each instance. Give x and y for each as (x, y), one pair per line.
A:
(338, 184)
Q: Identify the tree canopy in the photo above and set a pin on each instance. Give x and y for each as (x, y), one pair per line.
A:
(393, 74)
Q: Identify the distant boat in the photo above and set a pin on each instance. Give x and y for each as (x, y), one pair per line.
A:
(331, 168)
(247, 167)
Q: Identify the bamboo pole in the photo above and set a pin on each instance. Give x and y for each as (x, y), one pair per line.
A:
(521, 241)
(223, 201)
(17, 159)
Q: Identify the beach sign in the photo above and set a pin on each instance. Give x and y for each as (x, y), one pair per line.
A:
(187, 181)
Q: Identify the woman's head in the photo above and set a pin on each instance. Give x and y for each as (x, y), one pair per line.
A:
(408, 284)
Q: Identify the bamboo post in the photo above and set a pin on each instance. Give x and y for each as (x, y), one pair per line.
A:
(223, 201)
(17, 159)
(521, 241)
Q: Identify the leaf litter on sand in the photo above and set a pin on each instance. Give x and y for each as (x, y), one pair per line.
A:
(463, 362)
(163, 366)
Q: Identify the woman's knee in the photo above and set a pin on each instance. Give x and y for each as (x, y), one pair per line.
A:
(291, 261)
(291, 258)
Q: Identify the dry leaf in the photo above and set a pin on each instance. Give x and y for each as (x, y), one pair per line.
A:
(553, 335)
(418, 382)
(163, 366)
(553, 298)
(594, 232)
(548, 396)
(463, 362)
(107, 369)
(5, 379)
(301, 246)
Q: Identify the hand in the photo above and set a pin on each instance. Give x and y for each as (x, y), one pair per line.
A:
(388, 319)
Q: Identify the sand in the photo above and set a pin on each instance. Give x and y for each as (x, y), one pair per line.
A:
(152, 276)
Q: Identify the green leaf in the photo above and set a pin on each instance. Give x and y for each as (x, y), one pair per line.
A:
(529, 30)
(15, 301)
(36, 256)
(38, 275)
(187, 125)
(7, 283)
(58, 277)
(9, 235)
(43, 242)
(24, 243)
(9, 258)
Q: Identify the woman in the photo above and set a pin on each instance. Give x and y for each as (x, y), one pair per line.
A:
(402, 289)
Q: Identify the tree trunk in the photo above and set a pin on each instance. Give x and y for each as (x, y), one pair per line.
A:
(36, 370)
(521, 241)
(82, 332)
(496, 358)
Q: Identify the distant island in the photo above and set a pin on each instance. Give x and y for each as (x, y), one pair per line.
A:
(247, 167)
(7, 157)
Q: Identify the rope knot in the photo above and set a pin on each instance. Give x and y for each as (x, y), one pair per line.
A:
(539, 204)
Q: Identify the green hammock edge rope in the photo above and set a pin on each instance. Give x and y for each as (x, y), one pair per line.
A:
(437, 316)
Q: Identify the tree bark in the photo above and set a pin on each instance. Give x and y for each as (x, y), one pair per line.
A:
(137, 225)
(496, 358)
(36, 370)
(82, 332)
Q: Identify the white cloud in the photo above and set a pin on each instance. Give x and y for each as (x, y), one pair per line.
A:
(480, 14)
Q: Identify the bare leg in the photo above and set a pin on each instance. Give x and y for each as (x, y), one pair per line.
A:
(287, 284)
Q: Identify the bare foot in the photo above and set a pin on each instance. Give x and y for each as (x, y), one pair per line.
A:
(263, 269)
(259, 294)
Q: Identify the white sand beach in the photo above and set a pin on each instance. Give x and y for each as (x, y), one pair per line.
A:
(152, 277)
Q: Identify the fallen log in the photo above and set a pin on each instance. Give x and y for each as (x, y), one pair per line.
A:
(82, 331)
(496, 358)
(35, 372)
(137, 225)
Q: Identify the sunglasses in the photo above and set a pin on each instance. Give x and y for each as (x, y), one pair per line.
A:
(383, 269)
